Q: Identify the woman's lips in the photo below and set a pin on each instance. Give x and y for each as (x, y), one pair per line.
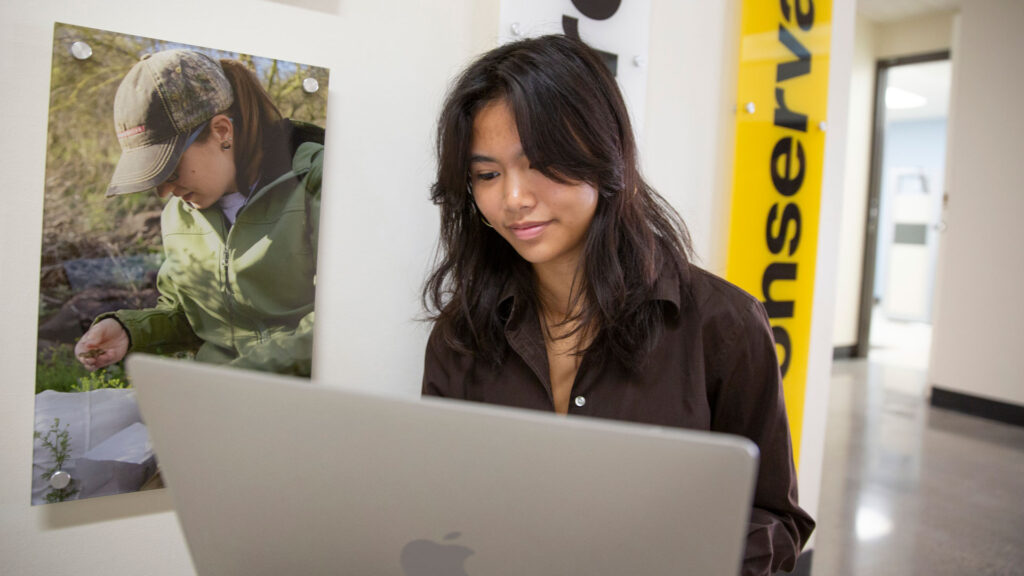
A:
(528, 230)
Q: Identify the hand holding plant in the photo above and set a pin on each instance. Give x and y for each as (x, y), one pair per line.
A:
(104, 344)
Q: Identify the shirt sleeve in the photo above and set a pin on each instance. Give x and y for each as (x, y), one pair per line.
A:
(747, 400)
(163, 328)
(441, 369)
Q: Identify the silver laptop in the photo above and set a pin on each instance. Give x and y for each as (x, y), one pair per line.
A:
(273, 475)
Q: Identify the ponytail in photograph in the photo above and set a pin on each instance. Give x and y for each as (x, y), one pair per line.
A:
(259, 143)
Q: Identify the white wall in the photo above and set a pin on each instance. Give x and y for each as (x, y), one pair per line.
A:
(859, 126)
(919, 35)
(689, 135)
(395, 60)
(819, 362)
(390, 63)
(976, 339)
(874, 41)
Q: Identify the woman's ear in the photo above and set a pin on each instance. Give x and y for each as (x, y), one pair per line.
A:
(222, 129)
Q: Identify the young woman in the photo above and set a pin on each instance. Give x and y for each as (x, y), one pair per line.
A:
(565, 284)
(240, 224)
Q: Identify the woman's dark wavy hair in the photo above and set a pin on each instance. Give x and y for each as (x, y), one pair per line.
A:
(573, 126)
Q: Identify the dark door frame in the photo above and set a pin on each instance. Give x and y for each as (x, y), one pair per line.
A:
(867, 285)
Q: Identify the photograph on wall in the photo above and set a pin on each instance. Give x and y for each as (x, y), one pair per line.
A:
(180, 218)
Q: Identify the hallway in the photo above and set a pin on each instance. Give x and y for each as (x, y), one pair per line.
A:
(909, 489)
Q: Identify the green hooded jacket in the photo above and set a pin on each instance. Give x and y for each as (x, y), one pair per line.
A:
(243, 294)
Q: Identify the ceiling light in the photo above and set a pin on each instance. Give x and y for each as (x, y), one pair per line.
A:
(900, 99)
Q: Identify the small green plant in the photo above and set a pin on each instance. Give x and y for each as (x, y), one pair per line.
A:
(97, 380)
(58, 369)
(58, 442)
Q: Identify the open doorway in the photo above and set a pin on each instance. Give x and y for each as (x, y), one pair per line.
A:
(905, 204)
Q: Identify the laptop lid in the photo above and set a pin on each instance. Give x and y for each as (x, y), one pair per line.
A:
(274, 475)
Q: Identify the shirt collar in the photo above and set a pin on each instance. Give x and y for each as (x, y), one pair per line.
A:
(671, 277)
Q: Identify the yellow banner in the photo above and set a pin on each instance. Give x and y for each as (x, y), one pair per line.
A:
(780, 145)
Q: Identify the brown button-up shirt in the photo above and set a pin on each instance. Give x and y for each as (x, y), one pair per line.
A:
(714, 368)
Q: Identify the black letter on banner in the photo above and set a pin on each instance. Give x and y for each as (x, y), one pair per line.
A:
(791, 213)
(782, 339)
(777, 271)
(805, 19)
(798, 67)
(786, 118)
(784, 5)
(571, 27)
(597, 9)
(783, 183)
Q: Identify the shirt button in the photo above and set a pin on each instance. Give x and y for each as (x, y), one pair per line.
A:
(581, 401)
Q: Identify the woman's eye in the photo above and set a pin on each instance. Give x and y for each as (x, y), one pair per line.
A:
(172, 177)
(485, 176)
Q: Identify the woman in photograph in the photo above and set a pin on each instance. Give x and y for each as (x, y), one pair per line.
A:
(240, 224)
(565, 282)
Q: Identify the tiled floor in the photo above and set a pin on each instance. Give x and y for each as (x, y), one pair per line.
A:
(909, 489)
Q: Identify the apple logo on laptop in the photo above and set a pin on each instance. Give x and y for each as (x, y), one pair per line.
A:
(429, 558)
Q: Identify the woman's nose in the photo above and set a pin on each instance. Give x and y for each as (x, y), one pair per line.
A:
(517, 193)
(166, 189)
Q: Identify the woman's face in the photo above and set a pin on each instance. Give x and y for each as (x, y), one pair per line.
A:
(205, 172)
(544, 220)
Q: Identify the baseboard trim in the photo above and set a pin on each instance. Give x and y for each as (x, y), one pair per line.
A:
(976, 406)
(843, 352)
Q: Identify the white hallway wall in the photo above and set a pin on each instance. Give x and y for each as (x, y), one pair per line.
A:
(819, 364)
(975, 317)
(873, 42)
(855, 186)
(978, 314)
(390, 64)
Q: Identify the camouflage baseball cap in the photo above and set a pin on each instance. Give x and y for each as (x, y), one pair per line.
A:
(161, 100)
